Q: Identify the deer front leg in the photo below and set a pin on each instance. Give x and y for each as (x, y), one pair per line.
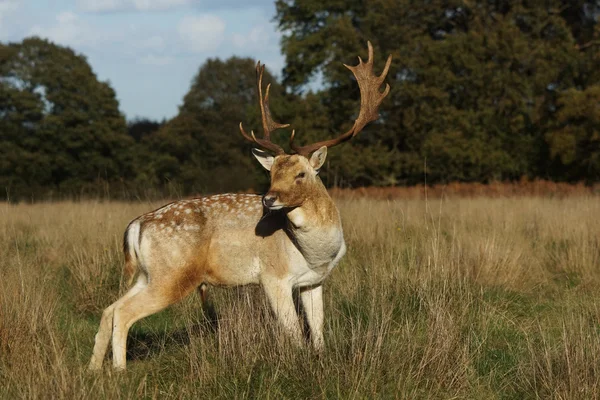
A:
(312, 304)
(279, 293)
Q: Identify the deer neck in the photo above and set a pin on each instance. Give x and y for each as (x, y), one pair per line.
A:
(316, 228)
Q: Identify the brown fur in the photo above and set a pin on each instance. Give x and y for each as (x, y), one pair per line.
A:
(290, 189)
(184, 282)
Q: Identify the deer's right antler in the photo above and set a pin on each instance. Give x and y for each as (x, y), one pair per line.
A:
(370, 99)
(267, 121)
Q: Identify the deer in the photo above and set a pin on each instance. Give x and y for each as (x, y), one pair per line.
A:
(288, 240)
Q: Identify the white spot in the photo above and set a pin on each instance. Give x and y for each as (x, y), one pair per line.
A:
(188, 211)
(255, 266)
(176, 212)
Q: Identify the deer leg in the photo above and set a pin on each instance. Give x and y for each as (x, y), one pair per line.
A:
(279, 294)
(149, 300)
(312, 304)
(105, 330)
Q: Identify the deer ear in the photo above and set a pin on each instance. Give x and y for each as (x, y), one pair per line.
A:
(264, 158)
(318, 158)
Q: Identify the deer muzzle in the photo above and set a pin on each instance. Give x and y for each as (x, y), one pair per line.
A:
(270, 201)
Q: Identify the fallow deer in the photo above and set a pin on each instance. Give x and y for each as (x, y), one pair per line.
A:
(289, 240)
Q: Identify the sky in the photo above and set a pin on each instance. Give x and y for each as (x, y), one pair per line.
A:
(149, 50)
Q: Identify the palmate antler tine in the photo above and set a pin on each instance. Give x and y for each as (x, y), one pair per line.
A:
(267, 121)
(370, 99)
(369, 83)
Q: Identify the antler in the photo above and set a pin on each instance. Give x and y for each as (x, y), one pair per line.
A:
(370, 99)
(267, 121)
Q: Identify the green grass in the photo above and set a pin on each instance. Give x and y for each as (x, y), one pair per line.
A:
(465, 298)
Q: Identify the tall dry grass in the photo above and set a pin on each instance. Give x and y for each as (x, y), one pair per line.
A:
(460, 298)
(523, 187)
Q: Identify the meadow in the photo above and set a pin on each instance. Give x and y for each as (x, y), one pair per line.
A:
(453, 297)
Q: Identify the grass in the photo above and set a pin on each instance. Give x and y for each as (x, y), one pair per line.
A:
(478, 298)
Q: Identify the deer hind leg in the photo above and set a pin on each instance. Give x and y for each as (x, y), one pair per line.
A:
(149, 300)
(106, 325)
(279, 294)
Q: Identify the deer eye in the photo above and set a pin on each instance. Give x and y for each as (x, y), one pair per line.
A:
(301, 175)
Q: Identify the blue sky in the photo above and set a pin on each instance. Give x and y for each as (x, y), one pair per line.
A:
(149, 50)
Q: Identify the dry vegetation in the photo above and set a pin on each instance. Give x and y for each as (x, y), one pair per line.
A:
(524, 187)
(454, 298)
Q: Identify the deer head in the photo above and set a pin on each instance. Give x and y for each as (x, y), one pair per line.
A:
(294, 177)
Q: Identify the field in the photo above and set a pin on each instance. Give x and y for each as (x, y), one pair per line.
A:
(476, 298)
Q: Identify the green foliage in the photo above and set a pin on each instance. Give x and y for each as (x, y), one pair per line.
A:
(479, 90)
(201, 149)
(142, 127)
(61, 130)
(574, 137)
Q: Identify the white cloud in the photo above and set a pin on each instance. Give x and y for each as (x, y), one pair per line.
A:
(66, 17)
(68, 30)
(152, 59)
(201, 33)
(257, 37)
(144, 5)
(100, 5)
(7, 7)
(121, 5)
(153, 42)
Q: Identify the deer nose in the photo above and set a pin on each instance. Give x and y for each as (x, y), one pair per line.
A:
(269, 199)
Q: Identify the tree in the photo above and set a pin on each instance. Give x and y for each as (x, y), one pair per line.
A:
(476, 86)
(139, 128)
(61, 129)
(574, 137)
(201, 149)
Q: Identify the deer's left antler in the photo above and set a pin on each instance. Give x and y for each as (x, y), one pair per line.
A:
(267, 121)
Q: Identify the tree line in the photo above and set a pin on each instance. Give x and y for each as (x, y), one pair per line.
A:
(481, 91)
